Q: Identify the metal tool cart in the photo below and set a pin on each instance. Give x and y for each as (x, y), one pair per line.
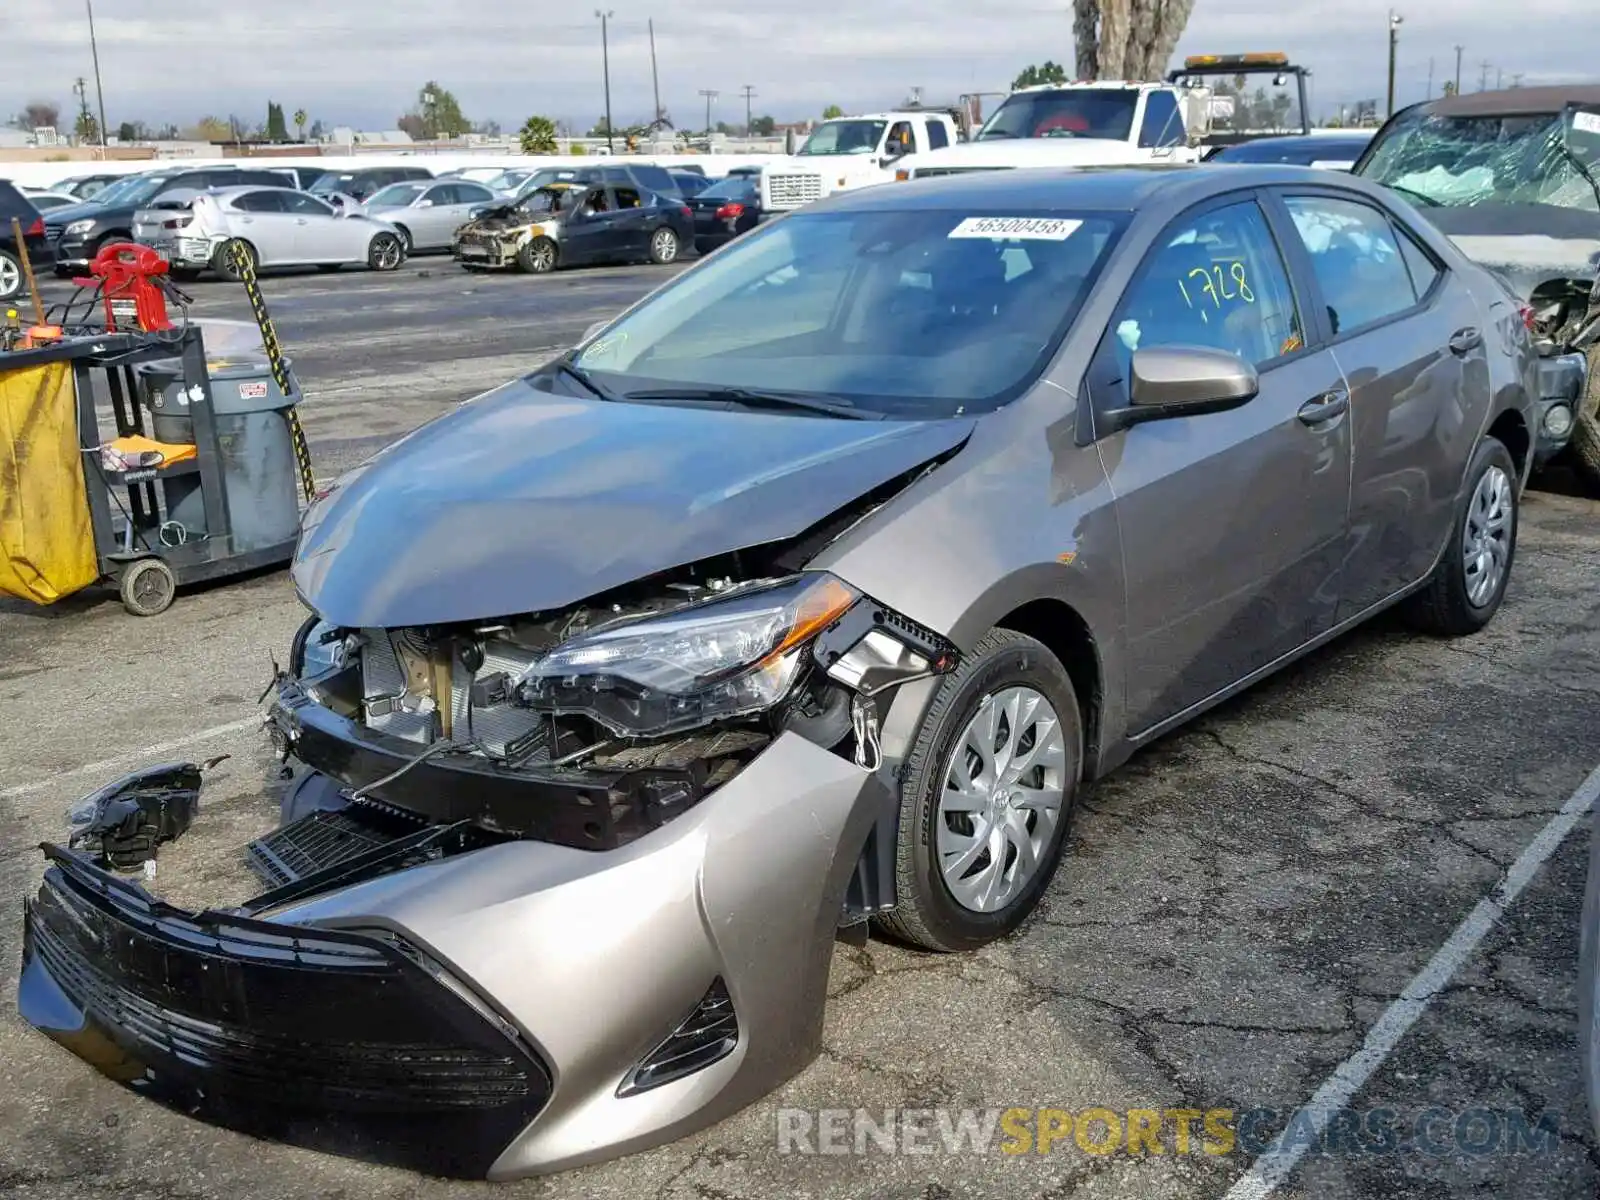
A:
(161, 519)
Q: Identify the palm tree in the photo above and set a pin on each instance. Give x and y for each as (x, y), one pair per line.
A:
(300, 119)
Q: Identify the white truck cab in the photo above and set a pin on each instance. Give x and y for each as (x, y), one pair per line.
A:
(1098, 123)
(852, 152)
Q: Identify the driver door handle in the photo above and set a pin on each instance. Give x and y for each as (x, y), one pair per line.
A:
(1463, 341)
(1320, 409)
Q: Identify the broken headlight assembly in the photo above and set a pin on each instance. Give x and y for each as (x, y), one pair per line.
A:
(721, 659)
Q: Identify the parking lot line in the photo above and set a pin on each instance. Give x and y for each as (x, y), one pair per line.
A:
(1269, 1172)
(131, 759)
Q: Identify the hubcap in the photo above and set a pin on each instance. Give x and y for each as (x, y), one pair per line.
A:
(1486, 538)
(10, 277)
(388, 253)
(666, 245)
(1002, 798)
(543, 256)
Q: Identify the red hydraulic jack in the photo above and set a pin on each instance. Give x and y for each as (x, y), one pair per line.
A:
(131, 280)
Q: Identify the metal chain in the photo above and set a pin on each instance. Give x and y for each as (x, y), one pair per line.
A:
(280, 374)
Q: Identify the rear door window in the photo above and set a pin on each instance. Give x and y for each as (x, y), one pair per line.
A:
(938, 139)
(1356, 258)
(303, 205)
(627, 197)
(266, 201)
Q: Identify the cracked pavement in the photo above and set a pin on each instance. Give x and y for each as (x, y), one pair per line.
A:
(1237, 906)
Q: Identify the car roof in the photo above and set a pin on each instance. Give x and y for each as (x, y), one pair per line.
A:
(236, 189)
(1511, 102)
(1082, 189)
(1309, 140)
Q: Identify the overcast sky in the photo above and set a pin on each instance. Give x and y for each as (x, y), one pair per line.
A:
(361, 62)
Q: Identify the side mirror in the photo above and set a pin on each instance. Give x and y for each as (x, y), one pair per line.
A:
(1186, 380)
(424, 203)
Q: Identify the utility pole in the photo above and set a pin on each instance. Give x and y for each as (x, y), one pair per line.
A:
(1483, 79)
(710, 95)
(605, 61)
(655, 80)
(748, 93)
(1394, 41)
(100, 96)
(1430, 79)
(1499, 78)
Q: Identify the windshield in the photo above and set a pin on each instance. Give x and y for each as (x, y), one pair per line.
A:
(1077, 112)
(331, 182)
(1461, 162)
(551, 199)
(1241, 105)
(505, 180)
(735, 187)
(130, 188)
(844, 137)
(912, 313)
(396, 195)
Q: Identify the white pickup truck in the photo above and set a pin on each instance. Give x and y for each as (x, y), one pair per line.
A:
(852, 152)
(1214, 100)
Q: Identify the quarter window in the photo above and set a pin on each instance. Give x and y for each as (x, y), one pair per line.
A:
(938, 139)
(1216, 280)
(1356, 259)
(1421, 265)
(260, 202)
(1162, 126)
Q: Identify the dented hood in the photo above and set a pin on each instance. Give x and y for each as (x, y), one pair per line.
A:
(1527, 245)
(522, 500)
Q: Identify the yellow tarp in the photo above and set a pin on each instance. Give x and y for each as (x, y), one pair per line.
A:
(46, 538)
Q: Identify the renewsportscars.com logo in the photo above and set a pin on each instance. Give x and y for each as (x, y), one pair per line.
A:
(1213, 1131)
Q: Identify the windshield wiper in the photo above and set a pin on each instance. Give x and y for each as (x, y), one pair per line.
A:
(750, 398)
(584, 379)
(1428, 201)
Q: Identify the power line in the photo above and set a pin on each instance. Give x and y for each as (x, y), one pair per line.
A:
(710, 95)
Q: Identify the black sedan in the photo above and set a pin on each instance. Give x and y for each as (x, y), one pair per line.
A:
(1334, 151)
(724, 210)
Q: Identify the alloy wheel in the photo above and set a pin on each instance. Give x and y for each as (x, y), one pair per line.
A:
(1486, 536)
(1003, 795)
(664, 246)
(10, 278)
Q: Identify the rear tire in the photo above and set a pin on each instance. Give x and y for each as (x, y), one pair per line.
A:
(1585, 443)
(663, 246)
(1461, 598)
(538, 256)
(385, 252)
(222, 259)
(932, 826)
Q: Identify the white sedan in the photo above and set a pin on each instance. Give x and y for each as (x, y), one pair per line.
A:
(428, 214)
(275, 227)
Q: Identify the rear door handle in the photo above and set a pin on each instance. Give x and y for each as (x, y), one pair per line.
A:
(299, 220)
(1321, 409)
(1464, 341)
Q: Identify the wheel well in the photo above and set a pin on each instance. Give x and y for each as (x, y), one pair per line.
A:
(405, 233)
(1066, 635)
(1512, 432)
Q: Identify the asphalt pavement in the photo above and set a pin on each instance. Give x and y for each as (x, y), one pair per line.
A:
(1240, 909)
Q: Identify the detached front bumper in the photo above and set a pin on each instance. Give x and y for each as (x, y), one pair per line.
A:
(510, 1010)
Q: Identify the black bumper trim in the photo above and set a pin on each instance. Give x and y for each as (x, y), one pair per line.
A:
(326, 1039)
(587, 810)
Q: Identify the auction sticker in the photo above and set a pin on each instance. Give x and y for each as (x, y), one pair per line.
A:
(1038, 229)
(1586, 122)
(252, 391)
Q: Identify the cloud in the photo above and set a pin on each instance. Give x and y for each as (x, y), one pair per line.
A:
(361, 62)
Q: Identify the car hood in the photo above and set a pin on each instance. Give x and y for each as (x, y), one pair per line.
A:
(523, 501)
(68, 213)
(500, 217)
(1526, 244)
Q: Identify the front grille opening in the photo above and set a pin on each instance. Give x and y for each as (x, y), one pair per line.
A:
(709, 1034)
(322, 840)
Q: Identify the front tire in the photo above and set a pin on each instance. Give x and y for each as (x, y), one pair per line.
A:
(663, 246)
(986, 796)
(1585, 443)
(1469, 583)
(147, 587)
(10, 275)
(537, 256)
(385, 252)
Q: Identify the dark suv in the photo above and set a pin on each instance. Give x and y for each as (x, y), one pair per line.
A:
(363, 183)
(14, 204)
(78, 231)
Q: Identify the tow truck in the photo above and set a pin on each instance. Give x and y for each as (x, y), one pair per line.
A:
(1207, 104)
(851, 152)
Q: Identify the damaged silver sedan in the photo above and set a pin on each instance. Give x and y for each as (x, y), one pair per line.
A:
(805, 593)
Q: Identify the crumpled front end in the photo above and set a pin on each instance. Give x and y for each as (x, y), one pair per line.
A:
(493, 239)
